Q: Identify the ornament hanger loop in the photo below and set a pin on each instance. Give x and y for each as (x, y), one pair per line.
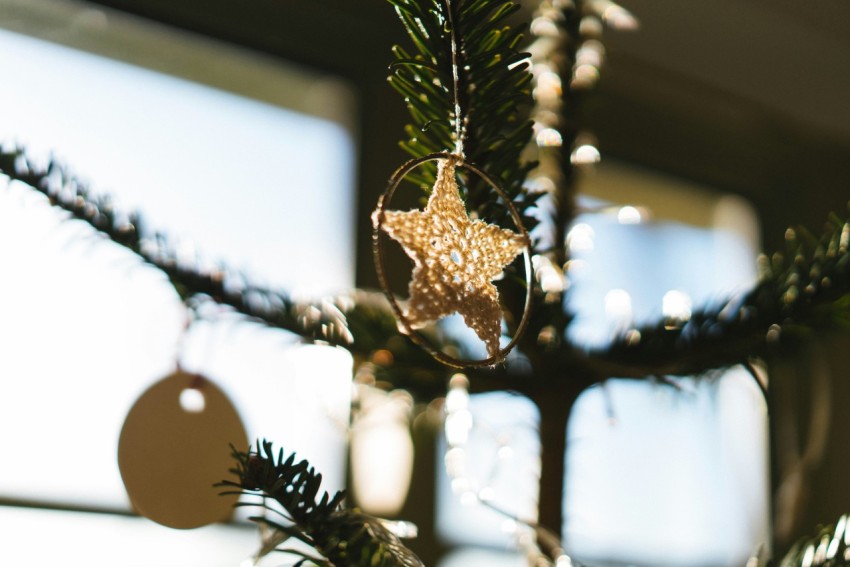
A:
(379, 217)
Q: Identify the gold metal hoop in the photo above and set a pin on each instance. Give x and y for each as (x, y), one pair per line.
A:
(378, 253)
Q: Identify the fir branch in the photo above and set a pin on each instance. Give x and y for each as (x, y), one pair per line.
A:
(829, 548)
(347, 538)
(464, 86)
(360, 321)
(325, 321)
(801, 294)
(329, 320)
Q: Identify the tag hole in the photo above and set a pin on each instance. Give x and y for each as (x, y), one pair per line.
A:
(192, 400)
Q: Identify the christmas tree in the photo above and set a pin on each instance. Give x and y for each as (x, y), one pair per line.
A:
(499, 135)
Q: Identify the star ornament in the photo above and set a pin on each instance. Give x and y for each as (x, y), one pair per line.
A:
(455, 260)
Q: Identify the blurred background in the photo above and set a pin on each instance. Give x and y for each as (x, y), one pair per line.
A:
(260, 133)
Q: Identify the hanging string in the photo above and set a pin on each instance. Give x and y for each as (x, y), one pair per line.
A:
(459, 129)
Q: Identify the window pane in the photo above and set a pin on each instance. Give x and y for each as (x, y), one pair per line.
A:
(48, 537)
(85, 327)
(244, 180)
(656, 474)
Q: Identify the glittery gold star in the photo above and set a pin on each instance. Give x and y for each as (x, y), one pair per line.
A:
(455, 260)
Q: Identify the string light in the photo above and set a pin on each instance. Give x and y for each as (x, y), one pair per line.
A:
(591, 52)
(580, 238)
(585, 154)
(458, 424)
(676, 308)
(550, 278)
(629, 215)
(549, 137)
(614, 15)
(584, 77)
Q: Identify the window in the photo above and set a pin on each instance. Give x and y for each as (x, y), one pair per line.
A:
(142, 113)
(696, 450)
(244, 156)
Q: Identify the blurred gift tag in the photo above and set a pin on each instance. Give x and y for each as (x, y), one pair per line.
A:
(174, 446)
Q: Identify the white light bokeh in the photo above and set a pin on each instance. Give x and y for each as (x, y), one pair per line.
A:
(629, 215)
(508, 479)
(618, 305)
(580, 237)
(676, 304)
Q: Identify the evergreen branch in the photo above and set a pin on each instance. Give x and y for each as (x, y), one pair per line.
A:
(829, 548)
(347, 538)
(361, 322)
(802, 293)
(464, 86)
(325, 320)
